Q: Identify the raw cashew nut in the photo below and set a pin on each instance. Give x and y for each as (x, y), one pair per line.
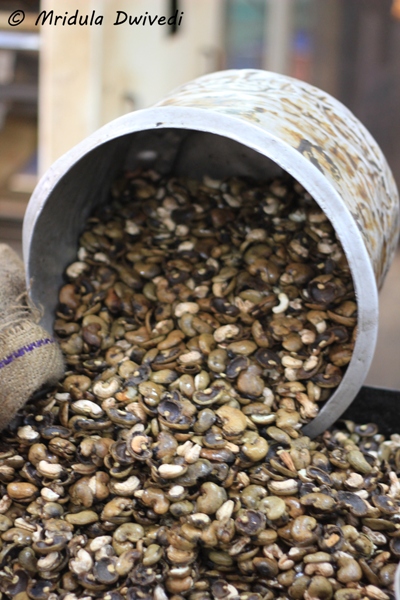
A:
(106, 389)
(283, 304)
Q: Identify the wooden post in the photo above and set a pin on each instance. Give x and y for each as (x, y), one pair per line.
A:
(279, 28)
(66, 98)
(327, 55)
(93, 74)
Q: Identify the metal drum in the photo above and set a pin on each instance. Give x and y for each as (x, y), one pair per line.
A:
(244, 123)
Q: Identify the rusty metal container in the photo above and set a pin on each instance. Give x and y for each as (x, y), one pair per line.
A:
(245, 123)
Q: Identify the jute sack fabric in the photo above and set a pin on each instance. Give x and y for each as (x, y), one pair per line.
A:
(29, 356)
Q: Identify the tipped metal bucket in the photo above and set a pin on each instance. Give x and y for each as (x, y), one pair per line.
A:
(243, 123)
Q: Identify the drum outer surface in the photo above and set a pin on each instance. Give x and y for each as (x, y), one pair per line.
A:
(278, 119)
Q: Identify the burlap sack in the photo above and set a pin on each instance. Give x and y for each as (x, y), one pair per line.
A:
(29, 357)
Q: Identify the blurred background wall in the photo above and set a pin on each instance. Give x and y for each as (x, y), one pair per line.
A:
(59, 83)
(98, 73)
